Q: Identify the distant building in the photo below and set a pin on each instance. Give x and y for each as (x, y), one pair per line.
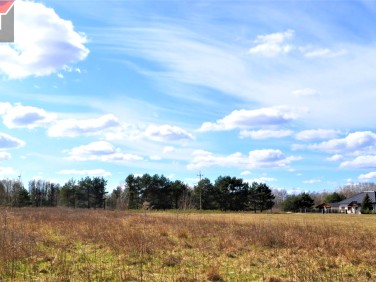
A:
(351, 205)
(354, 203)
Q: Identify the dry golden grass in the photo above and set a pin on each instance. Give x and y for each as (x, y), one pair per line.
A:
(96, 245)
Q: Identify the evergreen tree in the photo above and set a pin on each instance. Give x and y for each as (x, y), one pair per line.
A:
(366, 206)
(261, 197)
(22, 198)
(334, 197)
(68, 194)
(206, 195)
(298, 202)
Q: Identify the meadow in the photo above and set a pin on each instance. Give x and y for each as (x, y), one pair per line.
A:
(58, 244)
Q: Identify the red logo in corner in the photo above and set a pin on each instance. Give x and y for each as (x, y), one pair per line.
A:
(6, 21)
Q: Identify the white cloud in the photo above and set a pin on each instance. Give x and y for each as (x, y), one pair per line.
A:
(4, 107)
(268, 158)
(360, 162)
(73, 127)
(167, 133)
(306, 92)
(353, 142)
(324, 53)
(246, 172)
(19, 116)
(10, 142)
(312, 181)
(5, 156)
(90, 172)
(367, 176)
(100, 151)
(262, 179)
(5, 172)
(265, 134)
(335, 158)
(316, 134)
(250, 118)
(44, 43)
(271, 45)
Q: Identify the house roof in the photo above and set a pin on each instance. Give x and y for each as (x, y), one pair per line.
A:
(5, 6)
(358, 198)
(328, 205)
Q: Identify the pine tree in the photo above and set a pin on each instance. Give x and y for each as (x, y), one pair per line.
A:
(366, 205)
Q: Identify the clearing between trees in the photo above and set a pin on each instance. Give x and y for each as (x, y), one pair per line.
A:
(61, 244)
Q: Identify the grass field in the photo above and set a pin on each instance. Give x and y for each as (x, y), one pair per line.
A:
(95, 245)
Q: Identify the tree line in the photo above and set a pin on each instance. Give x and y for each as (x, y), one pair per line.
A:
(140, 192)
(85, 193)
(158, 192)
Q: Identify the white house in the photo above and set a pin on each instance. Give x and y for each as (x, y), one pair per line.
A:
(353, 204)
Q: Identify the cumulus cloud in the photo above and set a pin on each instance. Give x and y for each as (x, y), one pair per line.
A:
(251, 118)
(360, 162)
(10, 142)
(268, 158)
(91, 172)
(274, 44)
(19, 116)
(353, 142)
(367, 176)
(73, 127)
(265, 134)
(316, 134)
(335, 158)
(100, 151)
(4, 107)
(44, 43)
(167, 133)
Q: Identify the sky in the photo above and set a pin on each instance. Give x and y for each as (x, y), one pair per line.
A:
(279, 92)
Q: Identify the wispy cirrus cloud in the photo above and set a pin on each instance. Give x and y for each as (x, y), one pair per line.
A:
(324, 53)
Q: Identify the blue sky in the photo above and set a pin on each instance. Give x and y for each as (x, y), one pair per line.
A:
(279, 92)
